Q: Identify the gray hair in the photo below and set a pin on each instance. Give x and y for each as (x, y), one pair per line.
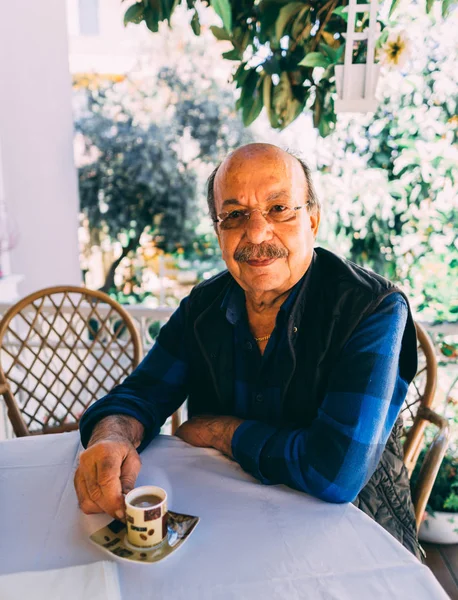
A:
(313, 200)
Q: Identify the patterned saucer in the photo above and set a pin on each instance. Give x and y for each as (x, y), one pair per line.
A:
(113, 539)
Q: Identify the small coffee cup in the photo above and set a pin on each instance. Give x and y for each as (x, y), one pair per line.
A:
(146, 516)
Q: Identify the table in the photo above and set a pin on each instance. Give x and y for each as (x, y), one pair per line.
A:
(253, 541)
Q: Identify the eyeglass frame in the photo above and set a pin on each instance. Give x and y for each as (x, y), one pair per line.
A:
(264, 214)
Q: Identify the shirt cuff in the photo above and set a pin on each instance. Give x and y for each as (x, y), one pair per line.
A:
(247, 444)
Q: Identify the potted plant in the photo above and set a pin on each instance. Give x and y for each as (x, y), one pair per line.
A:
(440, 521)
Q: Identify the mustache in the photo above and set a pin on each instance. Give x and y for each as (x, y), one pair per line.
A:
(259, 252)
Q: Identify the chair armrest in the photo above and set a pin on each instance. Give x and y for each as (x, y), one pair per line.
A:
(431, 462)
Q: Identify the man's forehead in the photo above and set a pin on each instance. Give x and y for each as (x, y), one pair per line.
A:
(263, 156)
(262, 169)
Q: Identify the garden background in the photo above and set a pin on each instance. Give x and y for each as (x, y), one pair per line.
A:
(146, 139)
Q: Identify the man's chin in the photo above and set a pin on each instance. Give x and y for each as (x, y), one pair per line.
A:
(262, 280)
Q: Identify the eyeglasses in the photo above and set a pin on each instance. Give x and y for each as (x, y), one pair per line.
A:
(278, 213)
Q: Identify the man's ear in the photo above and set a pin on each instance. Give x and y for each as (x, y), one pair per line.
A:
(314, 222)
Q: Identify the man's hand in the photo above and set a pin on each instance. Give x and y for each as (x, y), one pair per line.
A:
(210, 432)
(110, 466)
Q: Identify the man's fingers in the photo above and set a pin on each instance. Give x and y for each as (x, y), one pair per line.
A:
(109, 483)
(102, 469)
(106, 470)
(84, 501)
(129, 471)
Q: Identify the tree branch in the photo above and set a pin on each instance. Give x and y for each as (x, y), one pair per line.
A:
(109, 279)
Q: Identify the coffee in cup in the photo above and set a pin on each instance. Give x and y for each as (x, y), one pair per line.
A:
(146, 516)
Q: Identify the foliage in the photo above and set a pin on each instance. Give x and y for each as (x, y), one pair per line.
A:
(391, 179)
(136, 178)
(284, 51)
(143, 143)
(203, 255)
(200, 258)
(444, 495)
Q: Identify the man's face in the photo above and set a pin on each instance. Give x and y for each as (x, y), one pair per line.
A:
(262, 176)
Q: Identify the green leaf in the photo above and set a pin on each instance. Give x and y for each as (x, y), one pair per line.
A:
(324, 126)
(285, 15)
(240, 39)
(268, 12)
(393, 7)
(241, 75)
(446, 5)
(220, 33)
(315, 59)
(333, 54)
(300, 24)
(282, 97)
(339, 11)
(252, 107)
(296, 109)
(254, 112)
(223, 10)
(195, 23)
(272, 66)
(267, 99)
(429, 5)
(250, 83)
(232, 55)
(134, 14)
(169, 7)
(152, 20)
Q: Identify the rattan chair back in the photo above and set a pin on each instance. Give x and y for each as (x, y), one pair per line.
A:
(61, 348)
(418, 413)
(420, 395)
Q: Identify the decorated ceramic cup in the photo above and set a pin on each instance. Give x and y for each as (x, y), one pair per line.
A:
(146, 516)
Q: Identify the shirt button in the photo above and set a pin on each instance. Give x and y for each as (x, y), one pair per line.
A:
(294, 329)
(249, 346)
(259, 398)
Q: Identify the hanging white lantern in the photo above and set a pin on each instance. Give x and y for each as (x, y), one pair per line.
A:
(356, 84)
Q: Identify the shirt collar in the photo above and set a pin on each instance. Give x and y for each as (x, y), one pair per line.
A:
(233, 304)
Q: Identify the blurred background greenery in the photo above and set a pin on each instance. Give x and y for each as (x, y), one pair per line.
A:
(388, 181)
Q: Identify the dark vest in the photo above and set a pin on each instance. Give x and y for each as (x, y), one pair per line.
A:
(335, 296)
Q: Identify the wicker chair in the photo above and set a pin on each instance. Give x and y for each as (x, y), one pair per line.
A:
(417, 413)
(60, 349)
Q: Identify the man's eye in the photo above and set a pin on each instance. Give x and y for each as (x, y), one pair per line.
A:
(278, 208)
(234, 214)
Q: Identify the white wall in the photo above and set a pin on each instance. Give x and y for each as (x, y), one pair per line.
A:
(36, 134)
(114, 49)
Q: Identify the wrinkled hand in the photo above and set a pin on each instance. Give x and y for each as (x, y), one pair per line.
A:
(106, 471)
(109, 467)
(210, 432)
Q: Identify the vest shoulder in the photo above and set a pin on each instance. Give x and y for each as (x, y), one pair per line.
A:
(207, 291)
(337, 269)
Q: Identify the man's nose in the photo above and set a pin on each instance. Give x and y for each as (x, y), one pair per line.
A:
(258, 229)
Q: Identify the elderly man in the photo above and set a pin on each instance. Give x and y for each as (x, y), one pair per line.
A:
(295, 362)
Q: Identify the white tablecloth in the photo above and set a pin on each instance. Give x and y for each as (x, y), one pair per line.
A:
(253, 541)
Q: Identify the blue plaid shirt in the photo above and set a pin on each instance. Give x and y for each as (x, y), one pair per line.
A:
(331, 459)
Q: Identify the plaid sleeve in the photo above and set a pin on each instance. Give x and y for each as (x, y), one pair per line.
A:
(335, 457)
(155, 389)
